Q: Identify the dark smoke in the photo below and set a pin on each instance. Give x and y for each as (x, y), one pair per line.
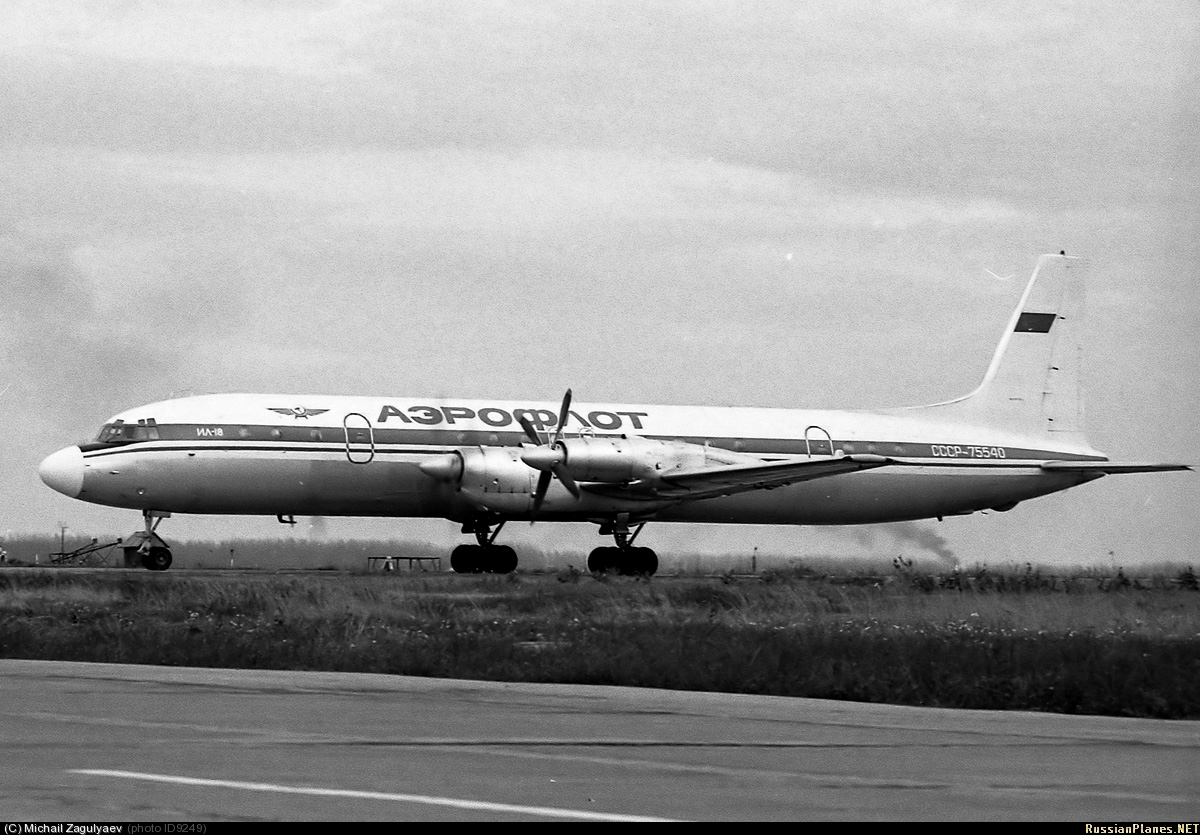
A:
(921, 536)
(909, 533)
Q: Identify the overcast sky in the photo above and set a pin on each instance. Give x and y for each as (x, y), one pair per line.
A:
(770, 204)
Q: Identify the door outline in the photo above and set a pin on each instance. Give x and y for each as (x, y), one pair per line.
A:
(354, 450)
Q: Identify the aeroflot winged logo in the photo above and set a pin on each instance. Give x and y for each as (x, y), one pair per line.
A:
(298, 411)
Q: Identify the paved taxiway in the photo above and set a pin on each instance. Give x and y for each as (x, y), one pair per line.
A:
(120, 742)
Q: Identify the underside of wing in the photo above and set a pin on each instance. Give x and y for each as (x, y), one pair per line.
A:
(1111, 467)
(737, 478)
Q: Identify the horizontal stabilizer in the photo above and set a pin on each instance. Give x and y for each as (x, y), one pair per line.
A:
(1111, 467)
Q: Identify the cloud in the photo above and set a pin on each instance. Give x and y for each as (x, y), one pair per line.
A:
(906, 99)
(900, 212)
(219, 35)
(61, 347)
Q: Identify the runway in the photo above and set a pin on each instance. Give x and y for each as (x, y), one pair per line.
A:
(107, 742)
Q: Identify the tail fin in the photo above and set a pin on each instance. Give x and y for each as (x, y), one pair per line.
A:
(1033, 382)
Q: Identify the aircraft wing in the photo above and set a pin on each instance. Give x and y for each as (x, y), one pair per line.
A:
(711, 482)
(1111, 467)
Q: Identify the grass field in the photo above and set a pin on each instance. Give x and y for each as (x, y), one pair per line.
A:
(1016, 640)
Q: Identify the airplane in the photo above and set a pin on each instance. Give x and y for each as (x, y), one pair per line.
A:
(483, 463)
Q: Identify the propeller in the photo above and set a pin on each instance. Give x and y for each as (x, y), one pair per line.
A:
(549, 458)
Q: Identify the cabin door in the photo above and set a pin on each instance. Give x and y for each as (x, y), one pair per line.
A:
(360, 438)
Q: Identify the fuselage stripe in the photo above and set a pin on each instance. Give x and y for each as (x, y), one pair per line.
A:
(411, 441)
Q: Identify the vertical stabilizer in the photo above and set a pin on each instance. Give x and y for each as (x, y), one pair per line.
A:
(1033, 382)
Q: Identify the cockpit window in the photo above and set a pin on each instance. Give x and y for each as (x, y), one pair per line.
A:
(127, 433)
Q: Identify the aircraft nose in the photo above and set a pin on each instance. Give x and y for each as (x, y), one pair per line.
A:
(63, 471)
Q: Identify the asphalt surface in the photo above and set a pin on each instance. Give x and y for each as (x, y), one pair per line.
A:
(107, 742)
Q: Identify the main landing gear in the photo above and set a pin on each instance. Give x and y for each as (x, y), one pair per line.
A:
(489, 558)
(486, 557)
(624, 558)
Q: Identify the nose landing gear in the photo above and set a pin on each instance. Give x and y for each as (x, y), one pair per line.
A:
(146, 548)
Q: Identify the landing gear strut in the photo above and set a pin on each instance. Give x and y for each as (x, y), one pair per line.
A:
(625, 558)
(146, 547)
(486, 557)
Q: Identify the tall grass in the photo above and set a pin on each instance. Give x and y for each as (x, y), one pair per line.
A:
(298, 552)
(1115, 650)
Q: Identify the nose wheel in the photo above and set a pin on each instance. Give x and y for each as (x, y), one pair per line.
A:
(157, 558)
(146, 547)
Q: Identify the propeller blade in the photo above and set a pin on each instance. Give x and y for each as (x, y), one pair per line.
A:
(563, 414)
(548, 457)
(529, 430)
(539, 495)
(565, 478)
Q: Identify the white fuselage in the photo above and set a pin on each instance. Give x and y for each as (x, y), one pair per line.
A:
(361, 456)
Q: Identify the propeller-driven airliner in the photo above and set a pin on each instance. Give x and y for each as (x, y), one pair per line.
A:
(482, 463)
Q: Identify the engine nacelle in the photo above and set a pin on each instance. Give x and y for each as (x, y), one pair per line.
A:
(494, 478)
(483, 470)
(618, 460)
